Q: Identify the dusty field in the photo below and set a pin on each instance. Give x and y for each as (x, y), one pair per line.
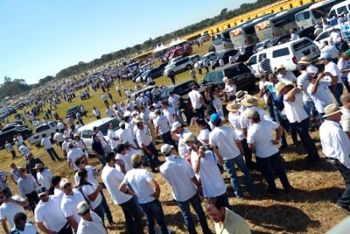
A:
(309, 208)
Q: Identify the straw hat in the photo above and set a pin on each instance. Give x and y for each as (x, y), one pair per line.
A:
(137, 119)
(233, 107)
(189, 136)
(249, 100)
(240, 95)
(136, 158)
(282, 84)
(304, 60)
(330, 110)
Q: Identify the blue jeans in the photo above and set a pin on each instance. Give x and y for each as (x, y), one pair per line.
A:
(231, 170)
(272, 164)
(186, 214)
(154, 211)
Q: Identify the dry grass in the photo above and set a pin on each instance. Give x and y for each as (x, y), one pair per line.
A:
(308, 209)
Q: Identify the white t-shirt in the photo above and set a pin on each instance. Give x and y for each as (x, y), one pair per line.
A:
(127, 136)
(195, 97)
(260, 134)
(50, 214)
(162, 123)
(322, 97)
(10, 209)
(91, 175)
(184, 150)
(174, 101)
(29, 228)
(69, 204)
(294, 111)
(235, 121)
(303, 82)
(223, 138)
(88, 190)
(73, 155)
(91, 227)
(58, 137)
(213, 183)
(245, 123)
(143, 136)
(46, 143)
(169, 114)
(139, 180)
(111, 136)
(179, 173)
(344, 64)
(112, 178)
(44, 178)
(334, 70)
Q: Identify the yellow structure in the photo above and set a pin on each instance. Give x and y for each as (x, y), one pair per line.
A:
(272, 8)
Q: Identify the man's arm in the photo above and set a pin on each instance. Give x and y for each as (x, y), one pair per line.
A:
(239, 145)
(4, 226)
(44, 229)
(156, 188)
(72, 222)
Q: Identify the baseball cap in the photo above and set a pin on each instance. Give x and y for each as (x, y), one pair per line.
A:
(64, 182)
(165, 149)
(215, 117)
(83, 207)
(175, 126)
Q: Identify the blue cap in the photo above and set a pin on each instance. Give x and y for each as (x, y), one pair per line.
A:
(215, 117)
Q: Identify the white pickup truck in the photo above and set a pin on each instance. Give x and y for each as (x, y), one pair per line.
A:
(48, 128)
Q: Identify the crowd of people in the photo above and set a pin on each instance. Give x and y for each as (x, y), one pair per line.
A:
(230, 131)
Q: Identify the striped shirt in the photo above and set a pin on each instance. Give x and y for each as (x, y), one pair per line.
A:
(265, 66)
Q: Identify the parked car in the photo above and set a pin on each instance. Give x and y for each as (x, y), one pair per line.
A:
(211, 56)
(324, 36)
(225, 54)
(10, 133)
(73, 110)
(178, 66)
(287, 54)
(239, 72)
(48, 128)
(86, 132)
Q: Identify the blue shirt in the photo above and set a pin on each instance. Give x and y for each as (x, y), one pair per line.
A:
(277, 99)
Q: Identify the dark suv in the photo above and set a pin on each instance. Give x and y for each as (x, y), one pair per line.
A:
(239, 72)
(10, 133)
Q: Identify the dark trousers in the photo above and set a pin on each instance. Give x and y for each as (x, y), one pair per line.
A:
(346, 83)
(168, 140)
(344, 200)
(151, 158)
(13, 153)
(200, 113)
(302, 129)
(106, 208)
(100, 211)
(67, 229)
(132, 216)
(33, 199)
(186, 214)
(53, 154)
(272, 164)
(154, 211)
(247, 154)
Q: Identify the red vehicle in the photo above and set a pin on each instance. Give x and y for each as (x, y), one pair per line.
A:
(182, 49)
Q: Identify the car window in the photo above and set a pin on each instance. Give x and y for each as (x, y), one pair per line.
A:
(235, 70)
(252, 60)
(302, 16)
(342, 9)
(261, 56)
(42, 128)
(181, 62)
(301, 45)
(323, 36)
(87, 134)
(280, 52)
(214, 76)
(104, 127)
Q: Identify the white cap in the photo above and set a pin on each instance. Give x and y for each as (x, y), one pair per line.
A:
(312, 69)
(127, 114)
(175, 126)
(165, 149)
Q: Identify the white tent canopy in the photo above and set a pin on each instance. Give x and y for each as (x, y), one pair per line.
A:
(159, 48)
(175, 42)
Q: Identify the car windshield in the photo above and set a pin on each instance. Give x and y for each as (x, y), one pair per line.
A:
(213, 77)
(42, 128)
(104, 127)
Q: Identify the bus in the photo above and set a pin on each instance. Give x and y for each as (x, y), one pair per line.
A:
(244, 34)
(222, 41)
(313, 15)
(279, 24)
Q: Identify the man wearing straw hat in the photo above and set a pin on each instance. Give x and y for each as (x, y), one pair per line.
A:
(336, 146)
(297, 116)
(234, 119)
(284, 74)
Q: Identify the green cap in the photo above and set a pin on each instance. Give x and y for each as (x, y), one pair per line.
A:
(347, 52)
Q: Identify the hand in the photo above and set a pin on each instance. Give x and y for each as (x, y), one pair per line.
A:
(119, 162)
(201, 151)
(275, 142)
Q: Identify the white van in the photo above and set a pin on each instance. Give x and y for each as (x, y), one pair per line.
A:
(287, 54)
(340, 8)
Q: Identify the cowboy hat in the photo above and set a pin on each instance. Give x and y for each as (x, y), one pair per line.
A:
(304, 60)
(249, 100)
(330, 110)
(282, 84)
(233, 107)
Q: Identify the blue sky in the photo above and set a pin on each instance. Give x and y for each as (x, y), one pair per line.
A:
(41, 37)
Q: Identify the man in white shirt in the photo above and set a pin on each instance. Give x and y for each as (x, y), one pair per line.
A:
(345, 118)
(112, 176)
(46, 142)
(162, 125)
(58, 137)
(230, 148)
(90, 222)
(169, 112)
(197, 101)
(96, 112)
(267, 154)
(71, 198)
(113, 139)
(9, 207)
(43, 176)
(332, 71)
(144, 140)
(178, 132)
(147, 191)
(336, 146)
(174, 101)
(73, 154)
(284, 74)
(184, 185)
(22, 226)
(49, 216)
